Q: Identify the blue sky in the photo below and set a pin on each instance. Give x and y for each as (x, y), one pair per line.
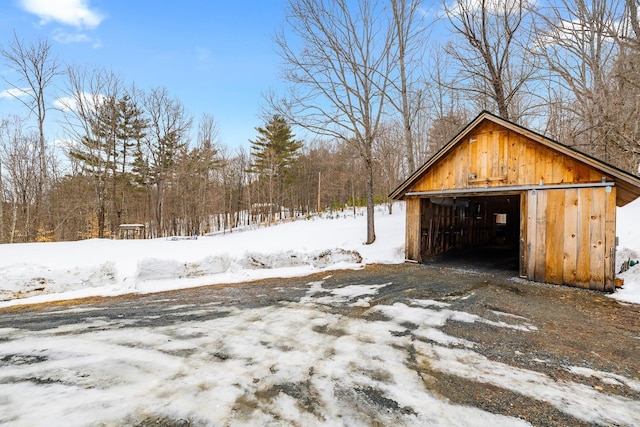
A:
(215, 56)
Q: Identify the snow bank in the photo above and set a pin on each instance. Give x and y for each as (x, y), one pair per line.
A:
(38, 272)
(628, 231)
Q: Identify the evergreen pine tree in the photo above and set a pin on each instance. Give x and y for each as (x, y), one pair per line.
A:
(273, 154)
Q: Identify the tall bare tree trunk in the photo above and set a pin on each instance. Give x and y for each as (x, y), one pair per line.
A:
(1, 207)
(371, 233)
(408, 41)
(36, 68)
(491, 55)
(342, 65)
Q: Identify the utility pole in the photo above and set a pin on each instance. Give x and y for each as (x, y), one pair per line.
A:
(319, 176)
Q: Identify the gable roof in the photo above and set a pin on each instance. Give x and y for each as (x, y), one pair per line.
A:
(628, 185)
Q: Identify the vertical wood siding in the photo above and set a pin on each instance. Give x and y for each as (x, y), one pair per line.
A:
(567, 236)
(412, 245)
(570, 237)
(500, 157)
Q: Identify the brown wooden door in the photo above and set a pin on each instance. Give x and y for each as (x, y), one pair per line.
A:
(569, 237)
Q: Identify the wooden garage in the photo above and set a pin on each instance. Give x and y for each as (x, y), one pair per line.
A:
(499, 184)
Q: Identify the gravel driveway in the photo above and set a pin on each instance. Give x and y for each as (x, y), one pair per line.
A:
(390, 344)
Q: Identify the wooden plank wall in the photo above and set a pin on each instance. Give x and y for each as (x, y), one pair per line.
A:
(610, 239)
(412, 233)
(500, 157)
(570, 237)
(567, 236)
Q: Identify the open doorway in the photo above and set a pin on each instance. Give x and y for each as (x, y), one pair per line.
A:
(477, 231)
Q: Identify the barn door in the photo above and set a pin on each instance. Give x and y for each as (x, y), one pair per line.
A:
(570, 237)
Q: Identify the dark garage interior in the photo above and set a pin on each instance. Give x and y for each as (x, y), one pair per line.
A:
(472, 231)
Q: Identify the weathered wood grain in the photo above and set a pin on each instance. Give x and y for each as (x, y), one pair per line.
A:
(570, 237)
(597, 239)
(554, 236)
(566, 235)
(610, 240)
(583, 268)
(541, 235)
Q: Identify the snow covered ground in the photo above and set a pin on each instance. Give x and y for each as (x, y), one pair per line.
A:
(628, 231)
(254, 366)
(292, 363)
(40, 272)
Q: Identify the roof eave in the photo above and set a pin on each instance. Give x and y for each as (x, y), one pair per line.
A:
(398, 193)
(628, 184)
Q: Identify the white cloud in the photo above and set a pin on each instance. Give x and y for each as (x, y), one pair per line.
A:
(76, 13)
(576, 33)
(66, 38)
(64, 142)
(15, 92)
(88, 100)
(65, 103)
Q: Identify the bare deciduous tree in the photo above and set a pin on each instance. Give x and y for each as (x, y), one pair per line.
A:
(389, 159)
(491, 54)
(447, 113)
(337, 70)
(576, 40)
(207, 150)
(410, 42)
(3, 124)
(35, 67)
(169, 125)
(624, 102)
(20, 156)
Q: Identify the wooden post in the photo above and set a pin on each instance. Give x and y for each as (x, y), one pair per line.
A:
(610, 239)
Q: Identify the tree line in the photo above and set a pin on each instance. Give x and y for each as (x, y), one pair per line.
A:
(375, 88)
